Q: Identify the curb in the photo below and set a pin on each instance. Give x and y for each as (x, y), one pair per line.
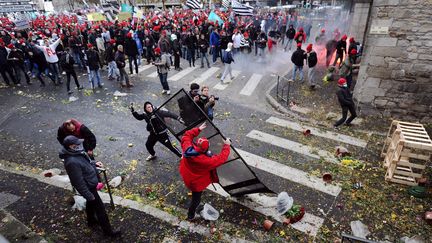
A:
(15, 231)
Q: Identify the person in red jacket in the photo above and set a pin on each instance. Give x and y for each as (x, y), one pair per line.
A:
(198, 165)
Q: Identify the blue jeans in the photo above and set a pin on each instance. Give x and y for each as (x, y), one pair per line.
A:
(288, 44)
(204, 56)
(77, 58)
(94, 74)
(53, 69)
(163, 79)
(300, 70)
(112, 70)
(215, 52)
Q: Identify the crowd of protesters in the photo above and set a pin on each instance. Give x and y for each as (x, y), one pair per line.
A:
(56, 45)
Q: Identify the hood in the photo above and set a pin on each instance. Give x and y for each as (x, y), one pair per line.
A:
(190, 152)
(64, 153)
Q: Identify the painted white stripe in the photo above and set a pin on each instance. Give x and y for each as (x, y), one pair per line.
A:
(153, 75)
(289, 173)
(204, 76)
(152, 211)
(266, 205)
(181, 74)
(223, 86)
(291, 145)
(145, 67)
(250, 86)
(315, 131)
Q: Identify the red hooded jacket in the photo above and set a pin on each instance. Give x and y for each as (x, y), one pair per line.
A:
(197, 169)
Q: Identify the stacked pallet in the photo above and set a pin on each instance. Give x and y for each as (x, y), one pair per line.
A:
(406, 152)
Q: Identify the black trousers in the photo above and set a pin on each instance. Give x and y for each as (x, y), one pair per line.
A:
(134, 59)
(345, 109)
(68, 79)
(21, 68)
(7, 69)
(176, 60)
(196, 199)
(163, 138)
(96, 213)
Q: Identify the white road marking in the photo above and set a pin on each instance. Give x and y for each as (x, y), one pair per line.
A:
(153, 74)
(266, 205)
(315, 131)
(291, 145)
(204, 76)
(289, 173)
(250, 86)
(181, 74)
(223, 86)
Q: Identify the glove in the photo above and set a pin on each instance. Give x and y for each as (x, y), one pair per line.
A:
(180, 120)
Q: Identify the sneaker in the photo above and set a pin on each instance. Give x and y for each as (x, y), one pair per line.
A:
(70, 92)
(150, 157)
(100, 86)
(80, 87)
(18, 85)
(168, 92)
(164, 92)
(336, 128)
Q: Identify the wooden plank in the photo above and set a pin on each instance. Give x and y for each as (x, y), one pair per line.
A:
(426, 141)
(412, 165)
(410, 124)
(422, 135)
(406, 173)
(402, 181)
(415, 155)
(405, 130)
(418, 145)
(412, 128)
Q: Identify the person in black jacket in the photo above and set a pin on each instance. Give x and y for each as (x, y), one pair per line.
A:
(82, 172)
(67, 63)
(191, 43)
(346, 102)
(312, 61)
(16, 59)
(131, 51)
(298, 58)
(110, 60)
(330, 47)
(37, 57)
(148, 44)
(176, 51)
(4, 67)
(203, 46)
(340, 50)
(157, 129)
(93, 64)
(79, 130)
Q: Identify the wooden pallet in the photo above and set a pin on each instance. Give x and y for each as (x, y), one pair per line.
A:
(406, 152)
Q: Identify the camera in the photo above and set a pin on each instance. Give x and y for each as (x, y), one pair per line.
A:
(214, 97)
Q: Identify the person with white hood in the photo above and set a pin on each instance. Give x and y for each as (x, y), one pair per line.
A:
(227, 60)
(51, 57)
(236, 38)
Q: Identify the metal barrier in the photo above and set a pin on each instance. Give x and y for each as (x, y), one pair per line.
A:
(283, 91)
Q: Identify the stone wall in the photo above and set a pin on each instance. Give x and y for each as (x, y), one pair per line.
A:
(395, 74)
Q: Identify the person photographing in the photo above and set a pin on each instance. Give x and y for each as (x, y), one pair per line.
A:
(198, 164)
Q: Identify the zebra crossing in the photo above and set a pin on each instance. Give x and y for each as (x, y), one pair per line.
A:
(246, 83)
(294, 178)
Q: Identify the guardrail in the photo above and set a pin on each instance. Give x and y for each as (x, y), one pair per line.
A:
(283, 88)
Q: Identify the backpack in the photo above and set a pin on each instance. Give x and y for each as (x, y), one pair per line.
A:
(226, 58)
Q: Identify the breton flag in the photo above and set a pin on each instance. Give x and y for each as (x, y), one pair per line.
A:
(194, 4)
(226, 3)
(241, 9)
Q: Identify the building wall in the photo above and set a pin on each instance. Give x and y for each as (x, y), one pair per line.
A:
(395, 73)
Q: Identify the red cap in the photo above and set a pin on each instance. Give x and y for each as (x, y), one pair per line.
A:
(299, 44)
(351, 40)
(322, 30)
(157, 50)
(309, 48)
(344, 37)
(341, 81)
(201, 145)
(10, 46)
(353, 52)
(112, 41)
(21, 41)
(89, 45)
(129, 35)
(163, 32)
(301, 29)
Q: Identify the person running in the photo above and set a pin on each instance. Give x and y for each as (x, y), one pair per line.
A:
(198, 165)
(157, 129)
(346, 102)
(82, 171)
(67, 63)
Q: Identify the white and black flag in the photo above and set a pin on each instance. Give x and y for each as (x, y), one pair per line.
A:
(241, 9)
(226, 3)
(194, 4)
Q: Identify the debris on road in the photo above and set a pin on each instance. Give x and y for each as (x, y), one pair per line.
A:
(80, 203)
(359, 229)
